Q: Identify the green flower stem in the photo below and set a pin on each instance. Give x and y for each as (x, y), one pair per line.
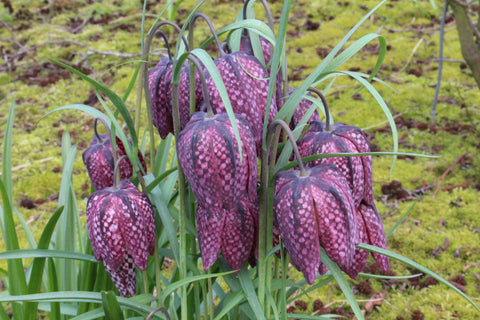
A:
(266, 209)
(145, 281)
(325, 106)
(143, 83)
(183, 212)
(158, 280)
(191, 28)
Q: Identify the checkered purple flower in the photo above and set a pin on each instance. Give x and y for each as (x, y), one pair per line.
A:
(98, 159)
(313, 211)
(223, 184)
(121, 229)
(246, 82)
(160, 86)
(342, 139)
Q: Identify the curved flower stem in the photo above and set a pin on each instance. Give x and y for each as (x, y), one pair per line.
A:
(110, 135)
(116, 174)
(143, 84)
(206, 98)
(150, 315)
(268, 12)
(191, 29)
(325, 106)
(266, 198)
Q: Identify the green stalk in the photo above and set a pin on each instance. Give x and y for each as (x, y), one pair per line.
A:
(183, 212)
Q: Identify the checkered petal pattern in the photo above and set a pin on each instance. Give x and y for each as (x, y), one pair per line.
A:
(121, 229)
(246, 46)
(247, 86)
(341, 139)
(98, 159)
(311, 212)
(222, 184)
(160, 85)
(158, 78)
(374, 232)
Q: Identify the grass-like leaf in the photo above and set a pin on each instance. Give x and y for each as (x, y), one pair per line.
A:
(249, 289)
(45, 253)
(400, 221)
(111, 307)
(417, 266)
(342, 282)
(114, 98)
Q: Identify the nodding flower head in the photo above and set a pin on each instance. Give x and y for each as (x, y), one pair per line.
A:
(121, 229)
(246, 82)
(223, 183)
(314, 211)
(99, 161)
(342, 139)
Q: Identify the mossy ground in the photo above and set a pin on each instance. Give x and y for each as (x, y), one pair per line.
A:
(411, 29)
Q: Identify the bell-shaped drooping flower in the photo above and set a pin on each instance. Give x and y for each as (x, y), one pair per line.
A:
(157, 83)
(99, 161)
(323, 138)
(314, 209)
(160, 89)
(223, 182)
(246, 82)
(121, 229)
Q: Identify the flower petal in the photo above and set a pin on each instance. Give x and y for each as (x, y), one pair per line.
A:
(237, 236)
(210, 224)
(294, 215)
(124, 277)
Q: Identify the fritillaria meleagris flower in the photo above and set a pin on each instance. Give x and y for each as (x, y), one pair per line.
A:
(341, 138)
(99, 161)
(121, 229)
(246, 82)
(246, 45)
(316, 210)
(160, 86)
(223, 184)
(157, 82)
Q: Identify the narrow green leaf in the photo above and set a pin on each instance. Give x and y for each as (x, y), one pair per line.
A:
(227, 303)
(177, 284)
(342, 282)
(81, 107)
(399, 222)
(111, 307)
(52, 285)
(38, 264)
(7, 154)
(3, 314)
(417, 266)
(17, 283)
(250, 292)
(114, 98)
(45, 253)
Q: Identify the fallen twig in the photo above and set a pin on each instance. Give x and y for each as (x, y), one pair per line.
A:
(440, 181)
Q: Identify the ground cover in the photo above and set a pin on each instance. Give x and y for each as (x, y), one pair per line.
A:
(442, 230)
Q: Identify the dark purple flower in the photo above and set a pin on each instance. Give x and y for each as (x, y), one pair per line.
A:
(157, 83)
(160, 85)
(98, 159)
(223, 184)
(342, 139)
(121, 229)
(246, 45)
(246, 82)
(314, 211)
